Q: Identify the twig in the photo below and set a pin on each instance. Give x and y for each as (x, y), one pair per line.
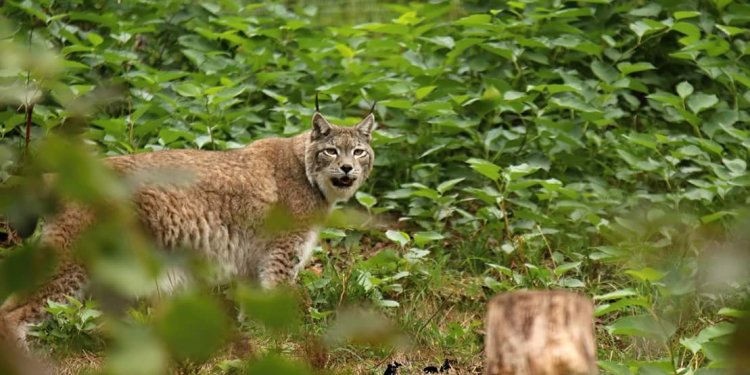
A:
(29, 112)
(549, 248)
(440, 308)
(344, 283)
(28, 106)
(384, 360)
(505, 219)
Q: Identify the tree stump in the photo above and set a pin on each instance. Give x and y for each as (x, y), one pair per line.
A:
(540, 333)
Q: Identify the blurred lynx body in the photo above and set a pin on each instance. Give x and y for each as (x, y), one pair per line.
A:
(217, 203)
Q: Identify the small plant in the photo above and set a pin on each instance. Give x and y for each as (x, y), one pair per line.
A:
(70, 326)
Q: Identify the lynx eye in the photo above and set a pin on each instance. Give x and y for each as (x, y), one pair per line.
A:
(330, 151)
(360, 153)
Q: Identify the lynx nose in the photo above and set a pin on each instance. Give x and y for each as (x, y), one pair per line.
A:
(346, 168)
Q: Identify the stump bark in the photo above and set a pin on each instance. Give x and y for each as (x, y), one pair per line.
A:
(540, 333)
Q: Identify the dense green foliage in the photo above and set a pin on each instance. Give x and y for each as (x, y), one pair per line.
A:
(599, 146)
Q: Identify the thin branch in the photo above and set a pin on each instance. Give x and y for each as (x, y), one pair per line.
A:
(549, 248)
(28, 106)
(29, 113)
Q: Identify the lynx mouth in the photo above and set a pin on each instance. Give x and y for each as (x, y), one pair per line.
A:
(343, 182)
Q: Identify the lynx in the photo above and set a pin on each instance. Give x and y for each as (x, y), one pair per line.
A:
(221, 213)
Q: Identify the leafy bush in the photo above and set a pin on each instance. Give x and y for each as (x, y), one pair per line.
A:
(594, 145)
(71, 326)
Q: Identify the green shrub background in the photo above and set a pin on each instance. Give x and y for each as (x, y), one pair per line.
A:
(598, 146)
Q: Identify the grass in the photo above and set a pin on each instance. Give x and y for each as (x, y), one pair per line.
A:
(437, 320)
(440, 317)
(441, 298)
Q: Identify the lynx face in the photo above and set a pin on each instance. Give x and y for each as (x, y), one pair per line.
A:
(339, 159)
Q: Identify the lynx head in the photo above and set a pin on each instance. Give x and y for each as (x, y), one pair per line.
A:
(339, 159)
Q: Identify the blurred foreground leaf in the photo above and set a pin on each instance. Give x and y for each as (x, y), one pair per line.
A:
(277, 309)
(26, 268)
(193, 327)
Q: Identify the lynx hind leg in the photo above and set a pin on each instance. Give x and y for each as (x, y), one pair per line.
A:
(17, 360)
(284, 258)
(68, 280)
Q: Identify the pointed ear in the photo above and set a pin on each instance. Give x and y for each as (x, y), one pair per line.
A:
(320, 126)
(366, 126)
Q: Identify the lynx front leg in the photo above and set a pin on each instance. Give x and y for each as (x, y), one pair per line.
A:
(285, 256)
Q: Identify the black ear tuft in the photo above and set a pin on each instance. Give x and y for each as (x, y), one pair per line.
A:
(317, 107)
(320, 126)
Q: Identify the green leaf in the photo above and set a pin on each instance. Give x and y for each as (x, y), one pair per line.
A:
(396, 103)
(474, 20)
(279, 98)
(628, 68)
(609, 254)
(486, 168)
(720, 4)
(643, 326)
(31, 8)
(278, 309)
(646, 140)
(744, 79)
(501, 49)
(574, 103)
(423, 92)
(686, 14)
(209, 327)
(730, 312)
(646, 274)
(684, 89)
(645, 27)
(22, 269)
(692, 33)
(332, 233)
(398, 237)
(422, 238)
(345, 50)
(461, 46)
(521, 170)
(365, 199)
(388, 303)
(447, 185)
(624, 304)
(731, 30)
(188, 89)
(386, 28)
(650, 10)
(647, 165)
(565, 267)
(700, 102)
(621, 293)
(94, 38)
(409, 18)
(443, 41)
(568, 282)
(604, 72)
(736, 166)
(695, 343)
(137, 352)
(665, 97)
